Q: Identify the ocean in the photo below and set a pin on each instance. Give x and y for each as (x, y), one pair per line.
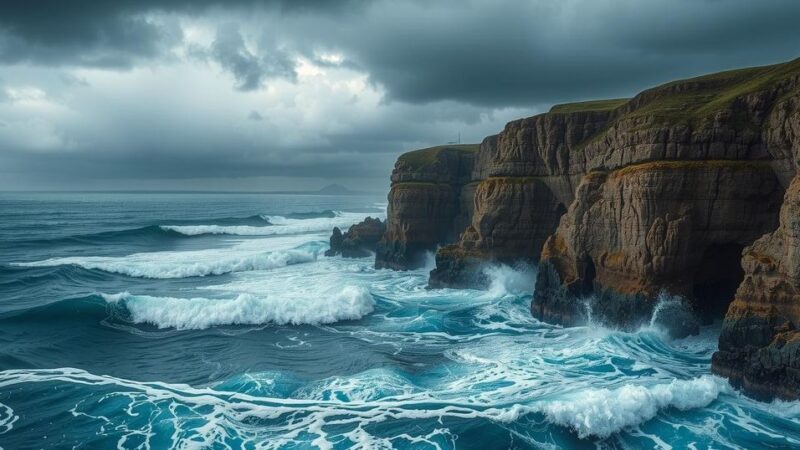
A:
(158, 320)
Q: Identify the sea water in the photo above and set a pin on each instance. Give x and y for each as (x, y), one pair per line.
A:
(214, 321)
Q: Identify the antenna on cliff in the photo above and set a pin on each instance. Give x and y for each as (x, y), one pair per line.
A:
(458, 141)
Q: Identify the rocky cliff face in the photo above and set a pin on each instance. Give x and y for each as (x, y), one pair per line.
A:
(512, 218)
(425, 205)
(677, 226)
(523, 179)
(759, 346)
(678, 184)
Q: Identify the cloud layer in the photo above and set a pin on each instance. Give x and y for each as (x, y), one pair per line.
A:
(272, 95)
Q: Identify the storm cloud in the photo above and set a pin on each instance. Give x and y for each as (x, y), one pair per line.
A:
(260, 93)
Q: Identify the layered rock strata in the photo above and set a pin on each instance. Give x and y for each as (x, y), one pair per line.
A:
(680, 181)
(425, 204)
(759, 346)
(673, 226)
(359, 241)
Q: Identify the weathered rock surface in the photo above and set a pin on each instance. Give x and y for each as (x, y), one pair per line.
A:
(512, 218)
(675, 226)
(759, 347)
(425, 205)
(360, 240)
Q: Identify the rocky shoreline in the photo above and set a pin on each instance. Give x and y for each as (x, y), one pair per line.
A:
(688, 190)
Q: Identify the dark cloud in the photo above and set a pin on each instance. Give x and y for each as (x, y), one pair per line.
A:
(116, 33)
(249, 69)
(504, 53)
(442, 68)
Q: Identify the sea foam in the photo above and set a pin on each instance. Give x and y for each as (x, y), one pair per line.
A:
(350, 303)
(603, 412)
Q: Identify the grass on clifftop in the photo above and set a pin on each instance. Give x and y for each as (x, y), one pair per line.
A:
(592, 105)
(427, 156)
(701, 97)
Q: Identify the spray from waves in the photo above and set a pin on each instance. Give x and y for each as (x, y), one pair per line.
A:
(279, 225)
(350, 303)
(602, 412)
(505, 280)
(166, 265)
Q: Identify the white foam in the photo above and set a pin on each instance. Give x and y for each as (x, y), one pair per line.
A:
(505, 280)
(279, 225)
(246, 256)
(603, 412)
(7, 418)
(350, 303)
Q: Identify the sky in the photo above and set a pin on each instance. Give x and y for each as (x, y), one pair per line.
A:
(277, 95)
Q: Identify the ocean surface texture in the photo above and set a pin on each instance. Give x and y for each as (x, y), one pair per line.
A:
(214, 321)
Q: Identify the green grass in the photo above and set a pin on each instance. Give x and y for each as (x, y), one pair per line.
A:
(702, 97)
(427, 156)
(591, 105)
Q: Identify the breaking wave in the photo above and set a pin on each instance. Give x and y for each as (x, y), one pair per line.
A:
(350, 303)
(603, 412)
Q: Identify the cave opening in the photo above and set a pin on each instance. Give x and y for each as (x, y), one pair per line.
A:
(716, 279)
(589, 274)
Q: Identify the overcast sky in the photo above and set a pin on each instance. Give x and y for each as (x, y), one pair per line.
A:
(160, 94)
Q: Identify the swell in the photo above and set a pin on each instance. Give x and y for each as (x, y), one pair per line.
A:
(166, 232)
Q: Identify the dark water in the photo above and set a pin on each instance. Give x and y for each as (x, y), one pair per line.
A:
(213, 321)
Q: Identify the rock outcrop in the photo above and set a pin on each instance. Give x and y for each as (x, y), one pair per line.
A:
(425, 204)
(359, 241)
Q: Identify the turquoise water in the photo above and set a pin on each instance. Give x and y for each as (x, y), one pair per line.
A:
(214, 321)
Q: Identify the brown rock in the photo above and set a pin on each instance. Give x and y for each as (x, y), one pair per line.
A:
(359, 241)
(667, 226)
(425, 206)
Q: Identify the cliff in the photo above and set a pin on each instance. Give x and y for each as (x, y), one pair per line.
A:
(679, 193)
(759, 346)
(678, 184)
(523, 179)
(425, 204)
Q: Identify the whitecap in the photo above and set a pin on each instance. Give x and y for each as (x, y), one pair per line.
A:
(603, 412)
(350, 303)
(248, 256)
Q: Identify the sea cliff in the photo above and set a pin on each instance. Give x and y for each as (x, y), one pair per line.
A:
(687, 191)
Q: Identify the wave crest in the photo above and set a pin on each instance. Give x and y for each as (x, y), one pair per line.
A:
(166, 265)
(603, 412)
(278, 225)
(350, 303)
